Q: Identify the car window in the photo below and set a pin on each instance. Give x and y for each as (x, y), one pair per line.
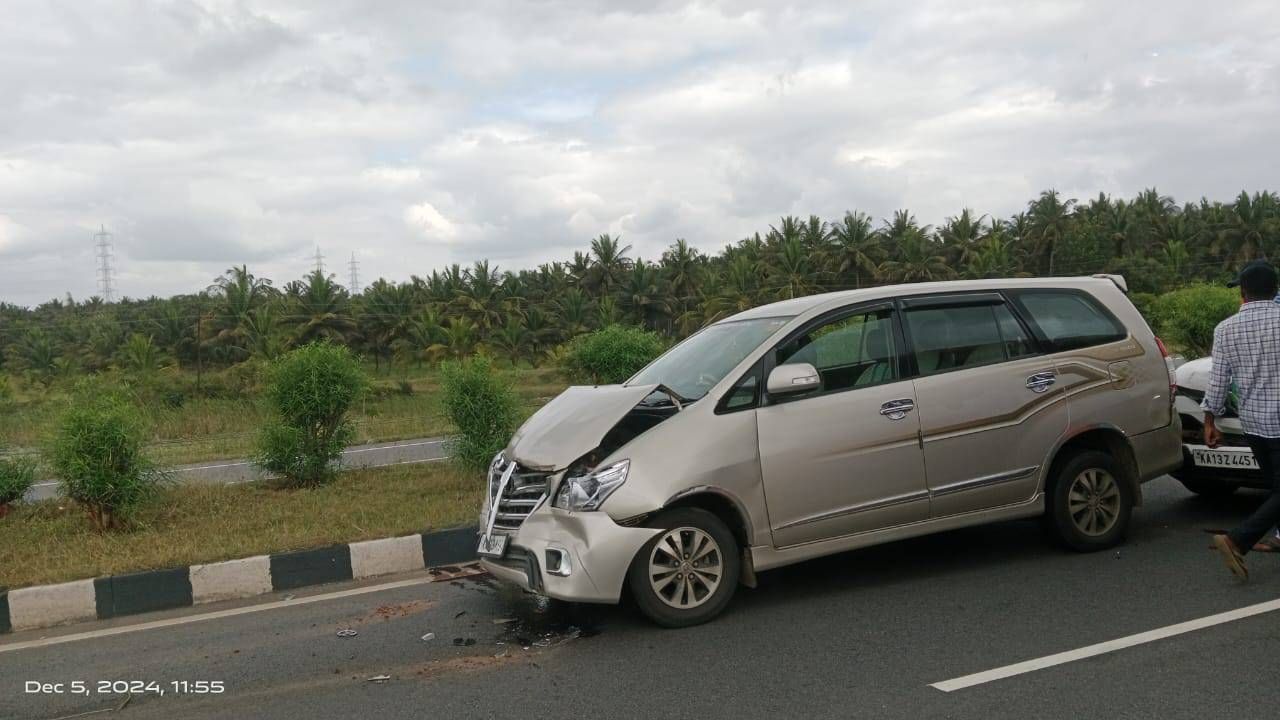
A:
(743, 394)
(948, 338)
(849, 351)
(1070, 319)
(1016, 341)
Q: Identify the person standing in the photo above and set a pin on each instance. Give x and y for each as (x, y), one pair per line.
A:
(1246, 350)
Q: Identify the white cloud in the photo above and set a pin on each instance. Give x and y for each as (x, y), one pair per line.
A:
(207, 133)
(425, 219)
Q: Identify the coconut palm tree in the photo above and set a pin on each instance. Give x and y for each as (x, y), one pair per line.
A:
(319, 310)
(855, 248)
(1050, 217)
(916, 256)
(423, 339)
(960, 236)
(609, 263)
(140, 355)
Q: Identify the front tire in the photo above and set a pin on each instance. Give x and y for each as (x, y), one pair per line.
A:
(1089, 503)
(688, 572)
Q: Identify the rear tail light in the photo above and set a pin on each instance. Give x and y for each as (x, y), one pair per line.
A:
(1168, 365)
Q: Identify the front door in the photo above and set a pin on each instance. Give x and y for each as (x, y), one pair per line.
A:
(988, 401)
(844, 458)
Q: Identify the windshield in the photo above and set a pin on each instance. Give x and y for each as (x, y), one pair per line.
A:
(694, 366)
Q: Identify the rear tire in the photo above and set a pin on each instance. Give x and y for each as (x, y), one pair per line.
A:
(687, 573)
(1089, 503)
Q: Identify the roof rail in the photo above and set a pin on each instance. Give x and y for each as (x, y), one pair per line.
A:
(1117, 279)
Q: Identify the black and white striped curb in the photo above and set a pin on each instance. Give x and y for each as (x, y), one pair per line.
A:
(118, 595)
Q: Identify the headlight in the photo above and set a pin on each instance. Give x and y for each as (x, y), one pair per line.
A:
(588, 491)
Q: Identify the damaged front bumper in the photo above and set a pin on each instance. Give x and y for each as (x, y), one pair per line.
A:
(575, 556)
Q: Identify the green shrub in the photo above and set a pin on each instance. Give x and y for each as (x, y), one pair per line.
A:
(1188, 316)
(6, 391)
(481, 405)
(610, 355)
(96, 451)
(17, 475)
(310, 390)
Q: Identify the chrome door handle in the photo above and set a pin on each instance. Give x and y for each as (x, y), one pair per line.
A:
(1041, 381)
(897, 409)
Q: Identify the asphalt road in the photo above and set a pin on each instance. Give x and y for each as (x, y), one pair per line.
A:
(863, 634)
(400, 452)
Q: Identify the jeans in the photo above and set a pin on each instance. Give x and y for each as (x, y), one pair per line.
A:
(1267, 516)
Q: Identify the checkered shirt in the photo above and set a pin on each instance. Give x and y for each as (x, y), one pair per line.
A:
(1246, 350)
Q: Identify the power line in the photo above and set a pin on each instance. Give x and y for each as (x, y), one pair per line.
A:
(105, 253)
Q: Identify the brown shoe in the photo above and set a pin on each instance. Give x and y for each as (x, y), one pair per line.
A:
(1230, 555)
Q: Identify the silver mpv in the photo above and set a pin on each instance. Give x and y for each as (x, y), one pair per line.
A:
(827, 423)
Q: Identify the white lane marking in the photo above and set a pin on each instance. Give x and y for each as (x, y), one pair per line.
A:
(210, 467)
(233, 612)
(393, 447)
(1103, 648)
(344, 452)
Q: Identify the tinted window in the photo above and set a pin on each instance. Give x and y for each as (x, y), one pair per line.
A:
(1069, 319)
(1016, 342)
(948, 338)
(850, 351)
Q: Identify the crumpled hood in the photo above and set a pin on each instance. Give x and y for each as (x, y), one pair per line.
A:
(573, 424)
(1194, 374)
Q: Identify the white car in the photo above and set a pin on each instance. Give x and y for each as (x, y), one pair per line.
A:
(1210, 471)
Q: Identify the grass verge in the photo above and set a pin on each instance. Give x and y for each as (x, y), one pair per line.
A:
(51, 541)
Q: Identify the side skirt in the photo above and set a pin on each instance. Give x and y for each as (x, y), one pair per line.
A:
(766, 558)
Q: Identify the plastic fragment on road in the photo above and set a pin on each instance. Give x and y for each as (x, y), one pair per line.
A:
(428, 637)
(379, 678)
(503, 621)
(347, 633)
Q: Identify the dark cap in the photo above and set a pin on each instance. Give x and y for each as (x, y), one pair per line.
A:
(1256, 273)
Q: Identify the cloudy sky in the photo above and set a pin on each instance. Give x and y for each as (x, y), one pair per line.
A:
(205, 134)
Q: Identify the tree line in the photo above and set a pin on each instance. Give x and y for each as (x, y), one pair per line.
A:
(522, 315)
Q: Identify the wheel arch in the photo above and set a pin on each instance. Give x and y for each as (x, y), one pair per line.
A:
(718, 502)
(1102, 437)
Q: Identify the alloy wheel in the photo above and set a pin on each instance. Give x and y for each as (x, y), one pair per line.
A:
(1094, 502)
(685, 567)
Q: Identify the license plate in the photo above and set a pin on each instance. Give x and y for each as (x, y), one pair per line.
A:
(1232, 459)
(492, 545)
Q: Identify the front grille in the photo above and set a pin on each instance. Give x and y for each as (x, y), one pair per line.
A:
(525, 491)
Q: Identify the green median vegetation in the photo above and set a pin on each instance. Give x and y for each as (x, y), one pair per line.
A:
(17, 475)
(610, 355)
(96, 451)
(482, 406)
(310, 390)
(48, 541)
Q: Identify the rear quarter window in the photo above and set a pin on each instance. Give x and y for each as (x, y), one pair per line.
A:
(1068, 319)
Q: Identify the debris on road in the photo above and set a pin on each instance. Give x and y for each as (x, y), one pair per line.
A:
(379, 678)
(459, 614)
(503, 621)
(428, 637)
(464, 642)
(347, 632)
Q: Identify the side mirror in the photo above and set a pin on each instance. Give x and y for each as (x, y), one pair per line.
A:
(793, 378)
